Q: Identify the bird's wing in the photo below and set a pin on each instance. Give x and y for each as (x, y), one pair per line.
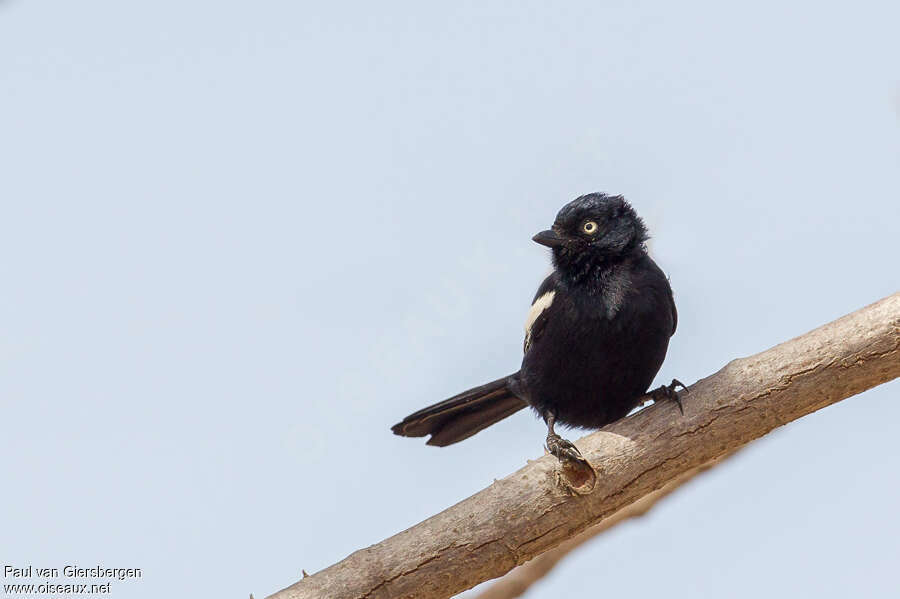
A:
(674, 311)
(653, 277)
(537, 316)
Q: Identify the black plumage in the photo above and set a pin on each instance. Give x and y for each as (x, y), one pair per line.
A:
(595, 338)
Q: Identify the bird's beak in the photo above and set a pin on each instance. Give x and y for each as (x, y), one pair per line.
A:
(550, 238)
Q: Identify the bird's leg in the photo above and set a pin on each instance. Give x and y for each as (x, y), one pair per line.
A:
(669, 392)
(561, 448)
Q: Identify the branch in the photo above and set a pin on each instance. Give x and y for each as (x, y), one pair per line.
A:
(519, 580)
(530, 512)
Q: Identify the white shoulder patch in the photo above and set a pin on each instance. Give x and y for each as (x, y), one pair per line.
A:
(539, 305)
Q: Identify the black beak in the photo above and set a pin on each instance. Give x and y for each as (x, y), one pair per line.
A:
(550, 238)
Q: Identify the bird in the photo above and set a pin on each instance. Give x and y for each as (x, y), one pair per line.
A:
(595, 337)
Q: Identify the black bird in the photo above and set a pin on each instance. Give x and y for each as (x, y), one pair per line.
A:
(595, 337)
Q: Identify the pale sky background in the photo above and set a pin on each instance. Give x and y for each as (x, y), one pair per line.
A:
(239, 240)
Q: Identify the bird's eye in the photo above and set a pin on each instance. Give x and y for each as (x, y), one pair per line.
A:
(590, 227)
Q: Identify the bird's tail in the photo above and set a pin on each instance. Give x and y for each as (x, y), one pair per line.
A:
(462, 415)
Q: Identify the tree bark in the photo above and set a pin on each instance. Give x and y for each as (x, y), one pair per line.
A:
(533, 510)
(518, 581)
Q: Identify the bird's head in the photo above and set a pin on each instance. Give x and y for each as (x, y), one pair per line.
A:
(593, 229)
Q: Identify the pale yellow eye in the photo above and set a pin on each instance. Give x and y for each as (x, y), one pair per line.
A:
(589, 227)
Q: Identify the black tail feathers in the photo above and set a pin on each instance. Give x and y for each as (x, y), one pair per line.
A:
(462, 415)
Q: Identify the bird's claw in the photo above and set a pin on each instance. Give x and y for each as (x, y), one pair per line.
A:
(563, 449)
(669, 392)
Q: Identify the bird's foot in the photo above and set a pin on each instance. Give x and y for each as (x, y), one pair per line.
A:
(563, 449)
(575, 473)
(669, 392)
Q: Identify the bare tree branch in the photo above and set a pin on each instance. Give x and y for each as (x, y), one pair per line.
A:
(519, 580)
(530, 512)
